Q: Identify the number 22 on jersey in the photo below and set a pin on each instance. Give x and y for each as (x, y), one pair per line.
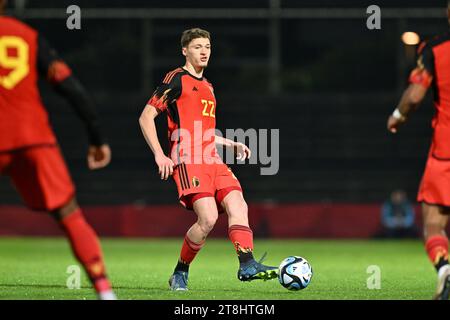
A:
(14, 54)
(208, 108)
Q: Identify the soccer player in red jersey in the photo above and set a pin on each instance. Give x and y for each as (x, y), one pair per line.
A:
(29, 151)
(205, 184)
(433, 69)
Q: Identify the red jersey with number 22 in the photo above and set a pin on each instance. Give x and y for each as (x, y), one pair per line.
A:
(191, 112)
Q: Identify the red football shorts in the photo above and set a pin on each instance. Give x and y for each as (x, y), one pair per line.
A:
(195, 181)
(40, 175)
(435, 185)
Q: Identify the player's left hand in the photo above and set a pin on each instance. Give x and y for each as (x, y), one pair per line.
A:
(98, 156)
(394, 123)
(242, 151)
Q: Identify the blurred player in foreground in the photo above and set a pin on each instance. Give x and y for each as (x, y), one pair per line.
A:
(29, 151)
(205, 184)
(433, 69)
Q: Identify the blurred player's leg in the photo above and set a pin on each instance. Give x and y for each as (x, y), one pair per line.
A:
(436, 244)
(43, 180)
(242, 237)
(207, 214)
(85, 247)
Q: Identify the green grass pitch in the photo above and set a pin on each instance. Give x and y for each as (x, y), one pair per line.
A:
(36, 268)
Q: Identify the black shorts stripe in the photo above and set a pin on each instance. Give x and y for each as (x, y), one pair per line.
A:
(180, 173)
(186, 176)
(189, 183)
(183, 177)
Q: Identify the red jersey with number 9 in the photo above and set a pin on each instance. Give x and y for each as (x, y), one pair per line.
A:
(23, 118)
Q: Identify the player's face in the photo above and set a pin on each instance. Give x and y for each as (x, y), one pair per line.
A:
(198, 52)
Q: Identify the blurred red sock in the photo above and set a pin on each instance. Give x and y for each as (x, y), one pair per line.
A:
(86, 248)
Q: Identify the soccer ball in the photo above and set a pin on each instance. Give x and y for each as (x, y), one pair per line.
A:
(295, 273)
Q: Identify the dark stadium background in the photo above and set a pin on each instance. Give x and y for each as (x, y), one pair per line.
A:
(324, 80)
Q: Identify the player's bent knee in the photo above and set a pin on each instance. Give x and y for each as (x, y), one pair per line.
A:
(234, 201)
(237, 209)
(207, 224)
(244, 207)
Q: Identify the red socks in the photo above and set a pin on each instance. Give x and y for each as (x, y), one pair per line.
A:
(242, 238)
(437, 249)
(189, 250)
(86, 248)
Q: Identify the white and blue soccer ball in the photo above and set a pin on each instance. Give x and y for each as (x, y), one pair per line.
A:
(295, 273)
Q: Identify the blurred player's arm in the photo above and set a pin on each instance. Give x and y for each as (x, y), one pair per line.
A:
(59, 74)
(420, 80)
(156, 105)
(410, 101)
(241, 150)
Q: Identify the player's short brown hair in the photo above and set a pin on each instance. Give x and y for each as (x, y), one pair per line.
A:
(191, 34)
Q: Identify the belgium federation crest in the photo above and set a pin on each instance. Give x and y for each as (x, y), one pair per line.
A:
(196, 182)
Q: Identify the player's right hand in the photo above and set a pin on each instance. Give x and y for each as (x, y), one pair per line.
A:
(98, 156)
(165, 166)
(393, 124)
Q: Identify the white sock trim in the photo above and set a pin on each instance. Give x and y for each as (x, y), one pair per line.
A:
(107, 295)
(443, 269)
